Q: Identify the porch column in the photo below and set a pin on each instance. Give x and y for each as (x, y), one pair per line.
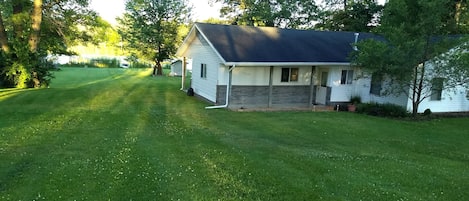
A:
(271, 88)
(311, 86)
(184, 63)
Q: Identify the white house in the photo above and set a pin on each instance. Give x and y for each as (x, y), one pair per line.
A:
(261, 67)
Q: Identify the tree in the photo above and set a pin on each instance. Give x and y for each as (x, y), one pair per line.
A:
(105, 40)
(274, 13)
(150, 27)
(31, 29)
(346, 15)
(418, 56)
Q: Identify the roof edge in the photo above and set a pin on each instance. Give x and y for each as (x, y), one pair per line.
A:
(264, 64)
(193, 33)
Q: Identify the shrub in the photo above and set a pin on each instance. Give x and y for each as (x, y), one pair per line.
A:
(383, 110)
(356, 100)
(427, 112)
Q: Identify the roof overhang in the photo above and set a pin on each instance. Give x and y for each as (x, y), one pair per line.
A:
(265, 64)
(191, 36)
(185, 44)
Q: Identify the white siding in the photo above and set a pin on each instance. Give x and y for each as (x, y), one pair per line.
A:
(364, 85)
(340, 92)
(176, 68)
(259, 76)
(201, 53)
(451, 101)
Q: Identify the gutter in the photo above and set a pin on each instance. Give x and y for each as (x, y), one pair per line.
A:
(228, 91)
(284, 64)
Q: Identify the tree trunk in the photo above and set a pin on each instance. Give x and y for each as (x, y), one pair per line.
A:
(36, 17)
(160, 69)
(415, 108)
(157, 69)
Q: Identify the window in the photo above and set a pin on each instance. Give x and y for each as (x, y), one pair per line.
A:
(437, 89)
(347, 77)
(289, 74)
(376, 84)
(203, 70)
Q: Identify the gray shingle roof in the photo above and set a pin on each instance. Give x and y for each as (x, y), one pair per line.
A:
(267, 44)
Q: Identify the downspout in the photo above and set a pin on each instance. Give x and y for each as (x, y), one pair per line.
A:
(356, 41)
(228, 91)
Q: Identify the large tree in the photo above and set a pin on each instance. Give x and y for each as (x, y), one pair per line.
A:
(150, 27)
(348, 15)
(31, 29)
(419, 56)
(275, 13)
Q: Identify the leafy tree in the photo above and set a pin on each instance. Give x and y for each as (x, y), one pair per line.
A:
(105, 40)
(31, 29)
(217, 21)
(275, 13)
(346, 15)
(415, 57)
(150, 27)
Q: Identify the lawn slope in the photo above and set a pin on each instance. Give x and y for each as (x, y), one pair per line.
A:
(119, 134)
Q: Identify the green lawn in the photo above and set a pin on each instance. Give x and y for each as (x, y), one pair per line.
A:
(119, 134)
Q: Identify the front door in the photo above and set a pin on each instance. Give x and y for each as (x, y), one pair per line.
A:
(321, 93)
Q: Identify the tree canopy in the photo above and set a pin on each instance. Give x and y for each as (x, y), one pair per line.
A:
(278, 13)
(347, 15)
(32, 29)
(150, 27)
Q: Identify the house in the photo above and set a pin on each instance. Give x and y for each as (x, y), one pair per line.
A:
(262, 67)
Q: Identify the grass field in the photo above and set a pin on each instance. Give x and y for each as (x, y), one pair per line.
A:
(119, 134)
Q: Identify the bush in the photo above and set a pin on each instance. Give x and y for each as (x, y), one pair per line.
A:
(427, 112)
(95, 63)
(383, 110)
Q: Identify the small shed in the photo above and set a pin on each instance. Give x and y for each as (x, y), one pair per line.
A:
(176, 68)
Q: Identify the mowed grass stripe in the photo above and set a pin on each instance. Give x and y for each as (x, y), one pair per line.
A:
(119, 134)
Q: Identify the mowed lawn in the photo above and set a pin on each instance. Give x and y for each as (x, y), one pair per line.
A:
(119, 134)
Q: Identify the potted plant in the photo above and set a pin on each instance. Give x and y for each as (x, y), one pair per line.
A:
(354, 101)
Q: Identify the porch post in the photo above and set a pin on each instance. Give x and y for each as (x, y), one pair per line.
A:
(271, 88)
(183, 73)
(311, 86)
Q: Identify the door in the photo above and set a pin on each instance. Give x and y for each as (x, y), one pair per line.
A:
(321, 93)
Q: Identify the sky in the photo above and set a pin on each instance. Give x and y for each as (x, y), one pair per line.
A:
(110, 9)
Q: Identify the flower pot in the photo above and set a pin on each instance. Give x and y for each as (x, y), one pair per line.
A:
(352, 108)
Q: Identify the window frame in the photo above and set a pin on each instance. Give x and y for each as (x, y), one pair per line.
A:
(376, 84)
(203, 71)
(346, 77)
(437, 91)
(289, 75)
